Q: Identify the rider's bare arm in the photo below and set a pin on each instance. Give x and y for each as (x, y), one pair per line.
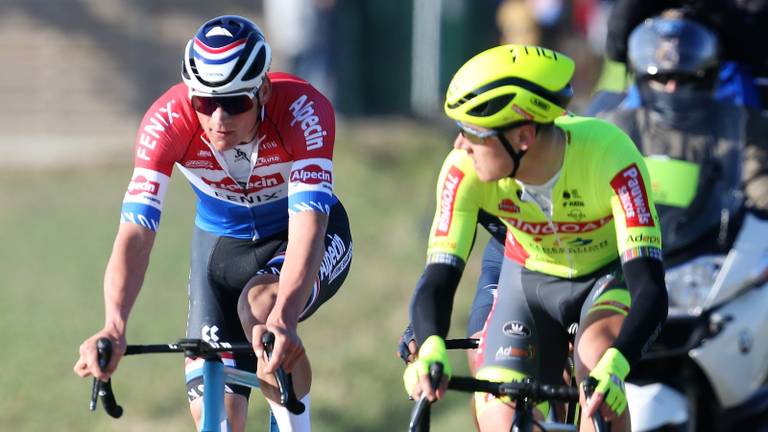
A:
(125, 273)
(122, 283)
(306, 231)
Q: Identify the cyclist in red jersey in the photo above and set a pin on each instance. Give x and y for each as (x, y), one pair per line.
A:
(271, 240)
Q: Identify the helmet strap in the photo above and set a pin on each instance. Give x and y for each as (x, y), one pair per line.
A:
(515, 155)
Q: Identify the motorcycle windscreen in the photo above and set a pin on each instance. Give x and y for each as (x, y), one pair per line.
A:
(690, 199)
(673, 182)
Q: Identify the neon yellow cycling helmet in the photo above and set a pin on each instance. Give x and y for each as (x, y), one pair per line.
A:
(509, 84)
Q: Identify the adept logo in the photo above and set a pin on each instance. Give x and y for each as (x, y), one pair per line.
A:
(515, 329)
(509, 352)
(209, 333)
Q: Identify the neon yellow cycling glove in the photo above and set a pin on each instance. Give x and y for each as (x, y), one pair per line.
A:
(431, 351)
(610, 373)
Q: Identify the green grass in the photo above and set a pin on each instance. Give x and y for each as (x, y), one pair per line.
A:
(57, 228)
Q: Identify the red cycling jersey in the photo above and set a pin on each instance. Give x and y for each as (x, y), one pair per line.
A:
(291, 163)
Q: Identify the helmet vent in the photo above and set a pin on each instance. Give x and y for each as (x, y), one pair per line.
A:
(257, 66)
(492, 106)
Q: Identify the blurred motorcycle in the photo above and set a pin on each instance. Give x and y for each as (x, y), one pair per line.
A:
(708, 369)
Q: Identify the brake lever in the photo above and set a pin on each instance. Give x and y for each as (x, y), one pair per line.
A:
(288, 397)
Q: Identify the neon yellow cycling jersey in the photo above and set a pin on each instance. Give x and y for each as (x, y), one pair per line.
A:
(601, 206)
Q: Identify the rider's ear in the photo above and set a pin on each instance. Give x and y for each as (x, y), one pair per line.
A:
(265, 91)
(522, 136)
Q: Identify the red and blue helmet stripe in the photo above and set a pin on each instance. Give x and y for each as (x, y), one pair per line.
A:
(227, 54)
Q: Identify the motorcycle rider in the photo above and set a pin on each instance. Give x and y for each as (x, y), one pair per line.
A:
(675, 60)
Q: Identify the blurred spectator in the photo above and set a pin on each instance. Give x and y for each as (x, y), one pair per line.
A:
(517, 23)
(535, 22)
(300, 30)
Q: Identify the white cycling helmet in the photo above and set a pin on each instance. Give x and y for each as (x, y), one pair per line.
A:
(228, 54)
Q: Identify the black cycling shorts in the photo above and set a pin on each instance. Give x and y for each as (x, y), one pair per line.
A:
(220, 268)
(490, 268)
(527, 330)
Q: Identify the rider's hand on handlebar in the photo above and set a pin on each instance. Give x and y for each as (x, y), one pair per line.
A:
(88, 363)
(416, 376)
(610, 373)
(288, 347)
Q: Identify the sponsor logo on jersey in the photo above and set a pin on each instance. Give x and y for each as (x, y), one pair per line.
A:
(204, 154)
(515, 329)
(571, 194)
(141, 184)
(304, 113)
(153, 126)
(255, 183)
(311, 174)
(571, 198)
(335, 259)
(269, 145)
(576, 213)
(509, 206)
(196, 163)
(578, 241)
(644, 238)
(630, 188)
(447, 200)
(248, 199)
(581, 246)
(543, 228)
(267, 160)
(510, 352)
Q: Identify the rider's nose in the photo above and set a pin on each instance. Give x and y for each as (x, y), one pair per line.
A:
(462, 144)
(219, 114)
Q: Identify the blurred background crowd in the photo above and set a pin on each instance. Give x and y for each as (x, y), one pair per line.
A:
(87, 65)
(85, 70)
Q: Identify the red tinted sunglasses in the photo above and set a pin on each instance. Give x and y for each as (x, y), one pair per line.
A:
(232, 105)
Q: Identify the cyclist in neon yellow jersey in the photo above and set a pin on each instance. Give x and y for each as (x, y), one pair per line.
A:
(583, 240)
